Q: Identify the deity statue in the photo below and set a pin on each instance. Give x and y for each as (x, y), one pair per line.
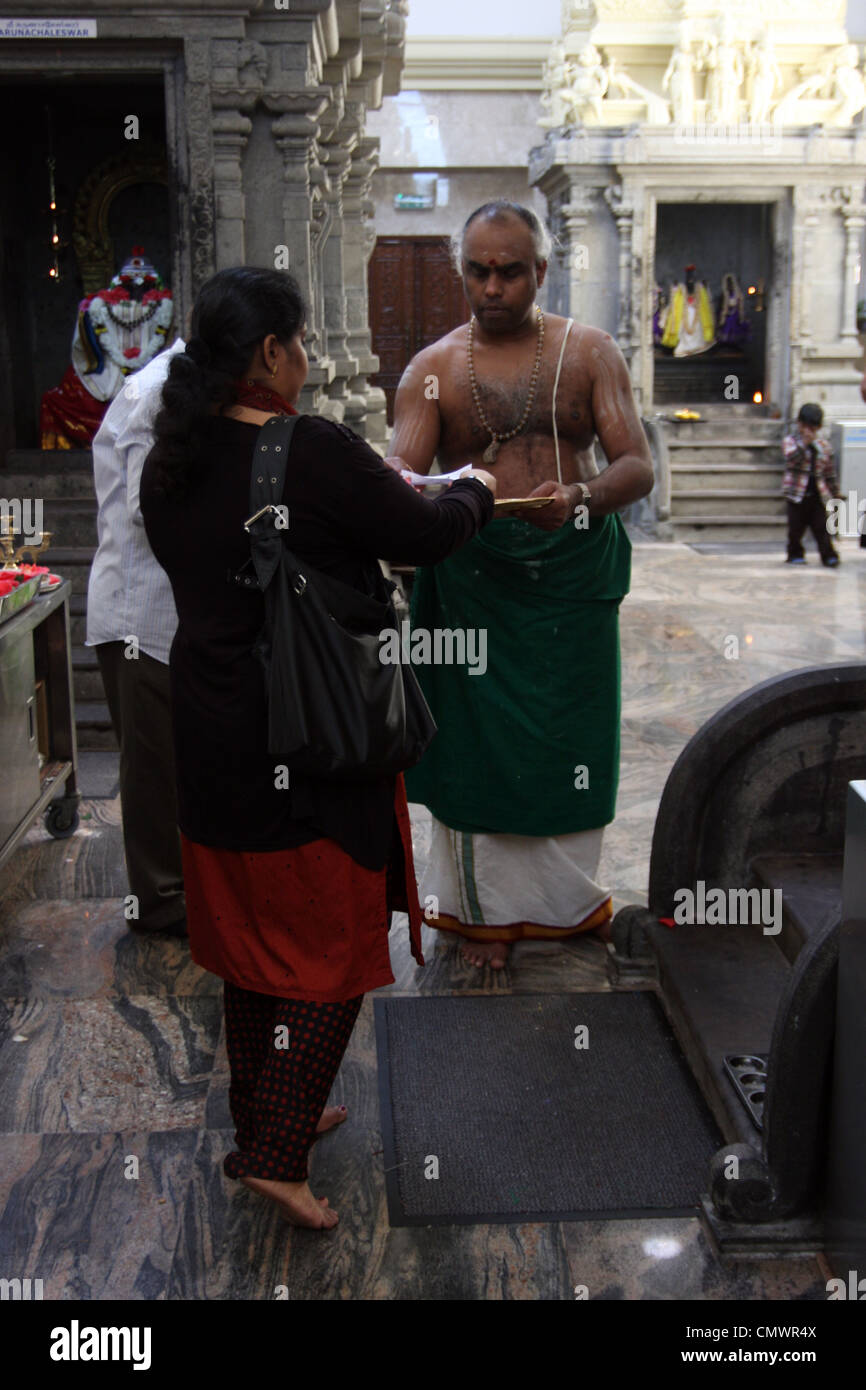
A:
(118, 331)
(556, 80)
(765, 78)
(657, 109)
(849, 88)
(690, 322)
(589, 83)
(724, 63)
(660, 312)
(679, 79)
(733, 327)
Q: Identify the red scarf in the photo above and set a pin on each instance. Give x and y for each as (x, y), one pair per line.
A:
(260, 396)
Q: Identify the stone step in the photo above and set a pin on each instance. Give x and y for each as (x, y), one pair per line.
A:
(766, 455)
(72, 563)
(86, 675)
(721, 531)
(742, 477)
(93, 725)
(78, 484)
(717, 503)
(711, 439)
(77, 619)
(723, 426)
(70, 521)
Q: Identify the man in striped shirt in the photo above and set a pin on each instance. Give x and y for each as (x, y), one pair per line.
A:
(131, 622)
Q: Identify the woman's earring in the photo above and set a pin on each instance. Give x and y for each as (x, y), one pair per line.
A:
(274, 371)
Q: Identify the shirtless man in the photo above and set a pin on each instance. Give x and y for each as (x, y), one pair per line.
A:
(500, 834)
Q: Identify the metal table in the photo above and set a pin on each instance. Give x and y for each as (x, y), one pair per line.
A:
(35, 651)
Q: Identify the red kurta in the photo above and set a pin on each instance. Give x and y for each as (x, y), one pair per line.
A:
(305, 923)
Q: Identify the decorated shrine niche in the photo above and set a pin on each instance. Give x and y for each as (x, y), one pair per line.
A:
(711, 286)
(119, 329)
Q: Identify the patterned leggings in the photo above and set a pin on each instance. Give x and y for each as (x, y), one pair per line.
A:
(278, 1091)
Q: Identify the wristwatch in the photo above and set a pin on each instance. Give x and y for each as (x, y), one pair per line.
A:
(586, 495)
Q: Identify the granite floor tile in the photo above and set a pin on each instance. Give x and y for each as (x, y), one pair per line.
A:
(670, 1259)
(96, 1065)
(94, 1216)
(83, 948)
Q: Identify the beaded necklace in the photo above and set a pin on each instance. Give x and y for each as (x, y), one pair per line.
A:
(489, 455)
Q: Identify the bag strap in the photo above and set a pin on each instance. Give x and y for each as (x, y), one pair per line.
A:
(267, 479)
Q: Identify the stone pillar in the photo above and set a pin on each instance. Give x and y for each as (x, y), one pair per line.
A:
(231, 130)
(805, 222)
(338, 157)
(575, 214)
(366, 406)
(295, 133)
(622, 207)
(199, 136)
(855, 221)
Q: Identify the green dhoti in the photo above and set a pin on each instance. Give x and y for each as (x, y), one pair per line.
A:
(529, 746)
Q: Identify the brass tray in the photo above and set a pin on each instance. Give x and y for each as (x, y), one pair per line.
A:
(522, 504)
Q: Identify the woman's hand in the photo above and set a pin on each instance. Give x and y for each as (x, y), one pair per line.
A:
(487, 478)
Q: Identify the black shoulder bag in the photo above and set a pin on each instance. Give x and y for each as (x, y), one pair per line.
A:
(335, 710)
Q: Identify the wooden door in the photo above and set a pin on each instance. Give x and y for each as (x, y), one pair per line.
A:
(416, 297)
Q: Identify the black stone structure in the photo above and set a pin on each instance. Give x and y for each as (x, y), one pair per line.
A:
(756, 801)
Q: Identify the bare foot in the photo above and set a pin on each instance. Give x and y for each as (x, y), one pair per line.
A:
(481, 953)
(296, 1202)
(331, 1116)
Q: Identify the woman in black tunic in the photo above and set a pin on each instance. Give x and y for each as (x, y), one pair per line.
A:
(289, 889)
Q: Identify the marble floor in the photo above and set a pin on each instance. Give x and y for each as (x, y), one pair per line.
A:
(113, 1078)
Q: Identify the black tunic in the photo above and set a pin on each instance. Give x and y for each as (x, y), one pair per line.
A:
(346, 508)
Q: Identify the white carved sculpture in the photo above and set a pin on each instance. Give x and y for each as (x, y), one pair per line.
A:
(788, 110)
(765, 79)
(724, 62)
(553, 98)
(588, 85)
(679, 80)
(658, 110)
(849, 88)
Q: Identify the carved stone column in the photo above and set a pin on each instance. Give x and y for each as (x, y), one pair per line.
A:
(575, 214)
(806, 217)
(622, 207)
(337, 156)
(199, 137)
(366, 406)
(231, 130)
(854, 218)
(295, 133)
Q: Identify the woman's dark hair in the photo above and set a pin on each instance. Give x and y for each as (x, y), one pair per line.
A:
(811, 414)
(233, 313)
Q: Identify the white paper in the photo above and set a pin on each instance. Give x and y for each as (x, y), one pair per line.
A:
(435, 479)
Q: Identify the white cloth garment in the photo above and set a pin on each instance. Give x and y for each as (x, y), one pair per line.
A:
(514, 887)
(129, 594)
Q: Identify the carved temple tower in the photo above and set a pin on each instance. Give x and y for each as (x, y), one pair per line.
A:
(727, 135)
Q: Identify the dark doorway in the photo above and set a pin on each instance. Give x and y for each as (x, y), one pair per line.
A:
(720, 240)
(84, 123)
(416, 296)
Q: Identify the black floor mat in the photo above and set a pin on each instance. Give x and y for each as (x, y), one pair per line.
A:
(490, 1113)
